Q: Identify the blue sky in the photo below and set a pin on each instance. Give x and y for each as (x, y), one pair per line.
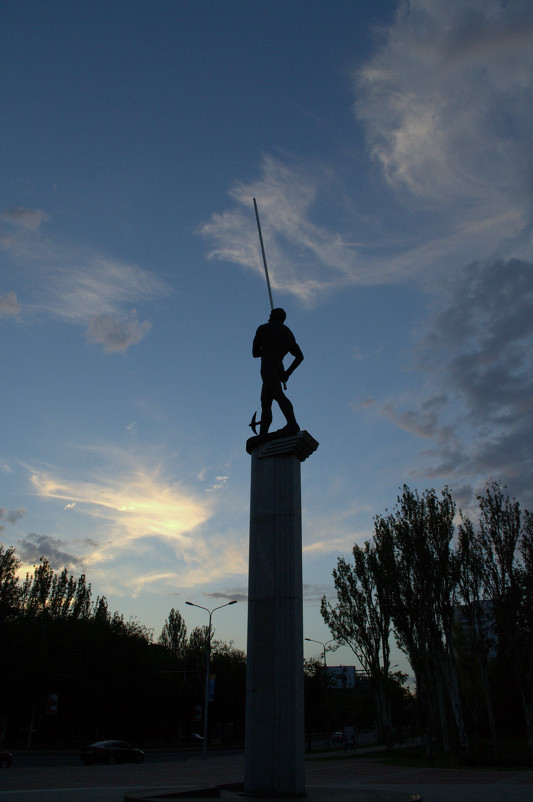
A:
(389, 148)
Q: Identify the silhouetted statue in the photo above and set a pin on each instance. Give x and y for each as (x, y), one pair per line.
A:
(272, 342)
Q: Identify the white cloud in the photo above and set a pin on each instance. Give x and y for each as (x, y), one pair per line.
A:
(303, 258)
(83, 287)
(218, 484)
(140, 518)
(446, 105)
(86, 284)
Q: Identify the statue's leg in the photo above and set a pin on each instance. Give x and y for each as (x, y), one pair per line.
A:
(288, 411)
(266, 409)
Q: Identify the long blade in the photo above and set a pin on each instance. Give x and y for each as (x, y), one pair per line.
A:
(264, 257)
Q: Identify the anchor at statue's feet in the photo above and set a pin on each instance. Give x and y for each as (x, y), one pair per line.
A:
(286, 431)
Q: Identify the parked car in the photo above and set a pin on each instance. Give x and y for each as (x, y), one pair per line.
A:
(338, 737)
(111, 752)
(6, 758)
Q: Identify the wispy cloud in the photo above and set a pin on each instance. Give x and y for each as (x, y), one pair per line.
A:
(445, 104)
(334, 532)
(423, 422)
(79, 285)
(304, 259)
(139, 517)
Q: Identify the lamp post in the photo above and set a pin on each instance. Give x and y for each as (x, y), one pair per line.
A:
(207, 661)
(312, 640)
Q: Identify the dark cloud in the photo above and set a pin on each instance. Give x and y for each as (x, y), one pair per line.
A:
(34, 546)
(24, 218)
(117, 333)
(313, 593)
(239, 594)
(479, 349)
(12, 516)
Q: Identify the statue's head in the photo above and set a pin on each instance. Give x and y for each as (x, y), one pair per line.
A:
(278, 314)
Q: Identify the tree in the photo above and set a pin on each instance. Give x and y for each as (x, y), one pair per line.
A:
(316, 711)
(56, 595)
(195, 651)
(476, 611)
(9, 584)
(503, 539)
(361, 620)
(107, 672)
(174, 633)
(227, 710)
(525, 623)
(36, 589)
(418, 567)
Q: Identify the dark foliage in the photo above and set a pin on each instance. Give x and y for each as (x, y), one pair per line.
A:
(460, 601)
(72, 672)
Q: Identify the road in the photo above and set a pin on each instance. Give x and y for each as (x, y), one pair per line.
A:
(62, 777)
(38, 759)
(329, 778)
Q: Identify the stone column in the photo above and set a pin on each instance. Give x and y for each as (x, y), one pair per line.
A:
(275, 738)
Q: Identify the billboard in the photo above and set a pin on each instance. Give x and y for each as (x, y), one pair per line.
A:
(342, 677)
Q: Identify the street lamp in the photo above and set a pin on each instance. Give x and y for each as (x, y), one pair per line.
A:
(312, 640)
(323, 650)
(207, 660)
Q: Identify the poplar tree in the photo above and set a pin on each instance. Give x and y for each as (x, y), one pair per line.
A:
(504, 540)
(414, 549)
(361, 620)
(174, 633)
(9, 584)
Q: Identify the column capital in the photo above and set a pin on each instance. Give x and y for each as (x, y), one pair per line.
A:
(301, 445)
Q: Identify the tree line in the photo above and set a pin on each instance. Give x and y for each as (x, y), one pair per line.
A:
(457, 596)
(455, 593)
(72, 671)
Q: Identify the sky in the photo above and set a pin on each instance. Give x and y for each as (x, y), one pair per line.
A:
(389, 147)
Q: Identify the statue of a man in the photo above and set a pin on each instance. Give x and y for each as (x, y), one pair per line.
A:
(272, 342)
